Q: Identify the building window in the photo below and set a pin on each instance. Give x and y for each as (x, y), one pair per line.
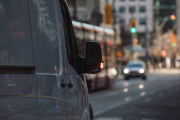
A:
(122, 9)
(131, 0)
(81, 3)
(132, 9)
(122, 21)
(142, 21)
(142, 9)
(121, 0)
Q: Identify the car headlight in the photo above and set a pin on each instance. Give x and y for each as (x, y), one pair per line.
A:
(126, 71)
(141, 71)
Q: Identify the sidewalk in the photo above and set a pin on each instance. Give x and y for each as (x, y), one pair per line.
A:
(164, 71)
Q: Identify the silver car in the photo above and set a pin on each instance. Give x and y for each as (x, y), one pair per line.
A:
(135, 69)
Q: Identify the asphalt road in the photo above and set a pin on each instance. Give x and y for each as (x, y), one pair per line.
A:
(158, 98)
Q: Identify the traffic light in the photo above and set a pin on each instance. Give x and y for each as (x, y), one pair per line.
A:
(133, 26)
(173, 40)
(108, 14)
(174, 44)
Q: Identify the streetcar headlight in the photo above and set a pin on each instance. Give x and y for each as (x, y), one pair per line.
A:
(126, 71)
(141, 71)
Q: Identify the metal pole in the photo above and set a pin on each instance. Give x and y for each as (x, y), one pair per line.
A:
(106, 57)
(115, 35)
(134, 35)
(75, 9)
(147, 44)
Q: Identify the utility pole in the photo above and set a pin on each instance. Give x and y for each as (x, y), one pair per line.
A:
(147, 43)
(75, 10)
(115, 35)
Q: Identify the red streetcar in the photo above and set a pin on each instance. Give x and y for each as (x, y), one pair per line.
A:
(86, 32)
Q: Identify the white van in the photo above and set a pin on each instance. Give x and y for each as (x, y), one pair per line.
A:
(40, 67)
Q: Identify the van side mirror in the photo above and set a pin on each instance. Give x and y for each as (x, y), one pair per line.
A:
(93, 60)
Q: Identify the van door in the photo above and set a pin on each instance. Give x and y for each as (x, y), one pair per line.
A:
(76, 89)
(17, 78)
(50, 67)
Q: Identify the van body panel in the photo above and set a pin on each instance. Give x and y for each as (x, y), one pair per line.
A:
(75, 107)
(17, 91)
(46, 39)
(51, 96)
(33, 35)
(18, 97)
(15, 34)
(77, 94)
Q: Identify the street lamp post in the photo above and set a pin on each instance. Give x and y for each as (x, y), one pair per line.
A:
(159, 30)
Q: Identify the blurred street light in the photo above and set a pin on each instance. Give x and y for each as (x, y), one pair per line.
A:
(133, 30)
(173, 17)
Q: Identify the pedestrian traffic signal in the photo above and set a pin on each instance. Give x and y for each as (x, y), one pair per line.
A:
(133, 26)
(173, 39)
(174, 44)
(163, 53)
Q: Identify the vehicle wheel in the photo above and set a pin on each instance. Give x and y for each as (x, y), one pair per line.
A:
(144, 77)
(126, 78)
(91, 112)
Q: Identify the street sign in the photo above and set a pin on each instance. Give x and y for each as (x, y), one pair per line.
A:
(119, 54)
(108, 14)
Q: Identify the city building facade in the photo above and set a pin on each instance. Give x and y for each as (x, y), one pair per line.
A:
(139, 10)
(162, 9)
(87, 11)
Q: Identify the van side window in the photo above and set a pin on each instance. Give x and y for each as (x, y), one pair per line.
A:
(71, 44)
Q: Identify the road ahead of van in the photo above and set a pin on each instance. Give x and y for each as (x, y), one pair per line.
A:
(158, 98)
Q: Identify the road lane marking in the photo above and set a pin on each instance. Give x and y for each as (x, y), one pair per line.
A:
(125, 90)
(99, 108)
(143, 93)
(148, 99)
(128, 98)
